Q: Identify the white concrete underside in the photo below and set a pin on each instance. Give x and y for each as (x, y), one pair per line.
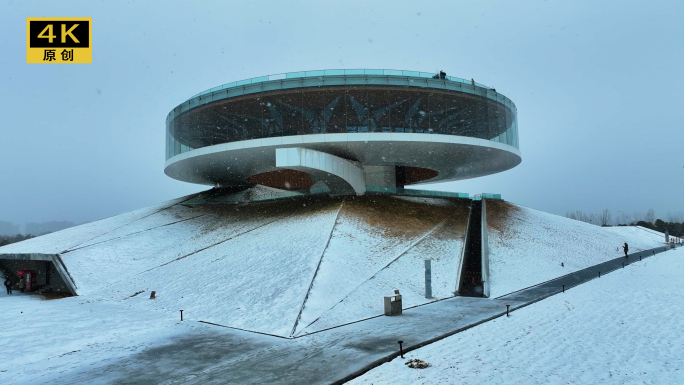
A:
(453, 157)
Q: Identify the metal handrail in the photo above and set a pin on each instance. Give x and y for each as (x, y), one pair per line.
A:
(337, 72)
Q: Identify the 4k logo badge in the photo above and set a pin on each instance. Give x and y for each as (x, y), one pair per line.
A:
(59, 40)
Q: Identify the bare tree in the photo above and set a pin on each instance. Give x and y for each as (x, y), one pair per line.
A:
(676, 217)
(638, 216)
(589, 218)
(584, 217)
(581, 216)
(650, 216)
(623, 219)
(605, 217)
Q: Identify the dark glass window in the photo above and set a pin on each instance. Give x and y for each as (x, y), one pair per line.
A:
(341, 110)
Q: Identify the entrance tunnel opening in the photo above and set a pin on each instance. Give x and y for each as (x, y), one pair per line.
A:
(44, 277)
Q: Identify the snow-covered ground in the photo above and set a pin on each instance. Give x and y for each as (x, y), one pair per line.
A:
(527, 246)
(38, 331)
(624, 328)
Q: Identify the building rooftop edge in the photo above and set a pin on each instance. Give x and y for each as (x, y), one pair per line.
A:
(338, 72)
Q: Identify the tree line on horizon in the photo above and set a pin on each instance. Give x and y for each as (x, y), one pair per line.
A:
(7, 239)
(674, 225)
(34, 228)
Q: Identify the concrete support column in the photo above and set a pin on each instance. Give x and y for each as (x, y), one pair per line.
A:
(381, 176)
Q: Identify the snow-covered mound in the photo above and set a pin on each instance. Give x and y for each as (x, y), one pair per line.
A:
(307, 263)
(527, 246)
(283, 267)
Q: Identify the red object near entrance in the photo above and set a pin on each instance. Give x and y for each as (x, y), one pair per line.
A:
(30, 278)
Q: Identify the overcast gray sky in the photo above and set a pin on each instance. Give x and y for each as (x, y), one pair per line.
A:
(598, 86)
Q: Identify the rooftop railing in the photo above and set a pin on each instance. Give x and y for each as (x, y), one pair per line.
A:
(320, 73)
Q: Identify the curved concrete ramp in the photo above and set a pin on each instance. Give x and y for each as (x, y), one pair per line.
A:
(342, 176)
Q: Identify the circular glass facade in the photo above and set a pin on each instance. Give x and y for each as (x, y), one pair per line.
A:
(361, 108)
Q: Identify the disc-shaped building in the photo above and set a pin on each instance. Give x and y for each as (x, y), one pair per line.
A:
(307, 224)
(350, 130)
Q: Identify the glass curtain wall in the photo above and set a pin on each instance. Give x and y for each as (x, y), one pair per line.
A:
(342, 110)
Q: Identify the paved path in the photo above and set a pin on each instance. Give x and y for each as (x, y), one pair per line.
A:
(554, 286)
(218, 355)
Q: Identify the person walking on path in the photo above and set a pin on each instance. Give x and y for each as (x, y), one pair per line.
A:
(626, 248)
(8, 285)
(22, 284)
